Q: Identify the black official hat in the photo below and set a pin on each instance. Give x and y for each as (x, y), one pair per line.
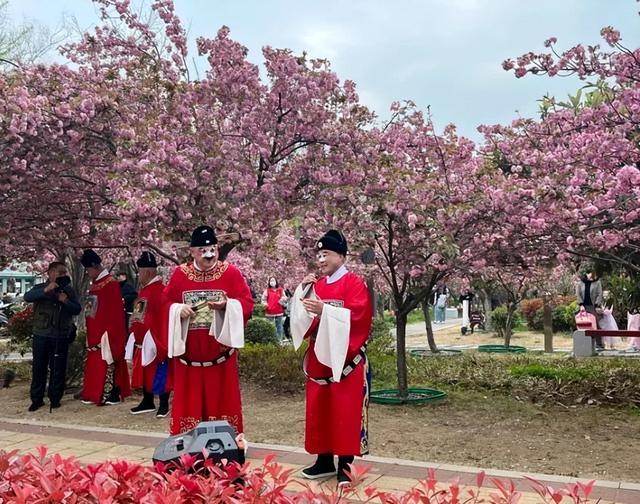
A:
(147, 260)
(90, 259)
(333, 240)
(203, 236)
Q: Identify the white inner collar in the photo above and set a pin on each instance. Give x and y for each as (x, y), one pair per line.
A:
(195, 265)
(338, 274)
(156, 278)
(102, 274)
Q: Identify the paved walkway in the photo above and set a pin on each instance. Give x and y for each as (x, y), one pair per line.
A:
(94, 444)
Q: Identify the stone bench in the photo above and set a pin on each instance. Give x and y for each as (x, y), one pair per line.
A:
(584, 340)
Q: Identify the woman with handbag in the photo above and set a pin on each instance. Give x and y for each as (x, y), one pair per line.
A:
(589, 297)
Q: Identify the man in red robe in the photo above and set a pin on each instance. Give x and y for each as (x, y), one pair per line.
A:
(147, 345)
(106, 377)
(334, 313)
(208, 303)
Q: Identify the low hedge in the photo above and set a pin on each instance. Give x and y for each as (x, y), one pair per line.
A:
(535, 378)
(260, 330)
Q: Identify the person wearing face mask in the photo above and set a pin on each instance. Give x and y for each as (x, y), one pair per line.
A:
(54, 306)
(334, 313)
(147, 346)
(275, 301)
(208, 303)
(106, 376)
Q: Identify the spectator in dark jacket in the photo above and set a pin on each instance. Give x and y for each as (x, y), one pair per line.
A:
(129, 296)
(54, 306)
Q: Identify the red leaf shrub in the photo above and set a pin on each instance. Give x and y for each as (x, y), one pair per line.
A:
(42, 478)
(529, 307)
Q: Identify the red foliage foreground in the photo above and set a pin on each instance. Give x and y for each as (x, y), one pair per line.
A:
(43, 478)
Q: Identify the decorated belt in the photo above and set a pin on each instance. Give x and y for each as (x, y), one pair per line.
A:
(223, 357)
(93, 348)
(346, 370)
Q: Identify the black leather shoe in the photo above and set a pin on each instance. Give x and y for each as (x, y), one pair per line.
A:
(36, 406)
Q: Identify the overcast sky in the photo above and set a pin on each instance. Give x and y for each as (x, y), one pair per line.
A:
(442, 53)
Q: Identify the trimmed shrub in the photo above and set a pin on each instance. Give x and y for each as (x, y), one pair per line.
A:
(380, 328)
(258, 310)
(562, 314)
(499, 320)
(260, 330)
(75, 360)
(273, 367)
(20, 330)
(531, 310)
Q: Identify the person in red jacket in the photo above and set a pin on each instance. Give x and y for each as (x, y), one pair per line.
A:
(208, 303)
(334, 313)
(274, 299)
(147, 344)
(106, 377)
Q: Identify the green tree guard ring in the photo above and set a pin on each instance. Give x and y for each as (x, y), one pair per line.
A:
(415, 396)
(501, 349)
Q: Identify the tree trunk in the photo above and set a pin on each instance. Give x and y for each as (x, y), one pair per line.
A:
(508, 330)
(80, 284)
(372, 295)
(401, 356)
(486, 303)
(547, 321)
(427, 322)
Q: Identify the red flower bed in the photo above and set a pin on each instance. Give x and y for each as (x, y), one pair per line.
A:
(43, 478)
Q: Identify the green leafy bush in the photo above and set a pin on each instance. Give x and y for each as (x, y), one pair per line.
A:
(75, 360)
(258, 310)
(499, 320)
(541, 370)
(380, 328)
(260, 330)
(273, 367)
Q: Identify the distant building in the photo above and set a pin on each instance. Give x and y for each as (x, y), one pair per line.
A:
(18, 279)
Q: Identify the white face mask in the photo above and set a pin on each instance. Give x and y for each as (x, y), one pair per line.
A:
(272, 283)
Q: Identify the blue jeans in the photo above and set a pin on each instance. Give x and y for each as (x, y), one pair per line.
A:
(441, 313)
(279, 322)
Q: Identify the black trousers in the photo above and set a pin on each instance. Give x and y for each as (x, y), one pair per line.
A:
(49, 360)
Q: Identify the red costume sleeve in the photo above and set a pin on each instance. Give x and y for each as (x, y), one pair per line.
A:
(110, 317)
(239, 289)
(357, 300)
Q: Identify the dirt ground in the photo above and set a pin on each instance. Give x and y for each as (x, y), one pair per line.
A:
(451, 337)
(467, 429)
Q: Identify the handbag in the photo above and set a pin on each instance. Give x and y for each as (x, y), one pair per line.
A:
(585, 321)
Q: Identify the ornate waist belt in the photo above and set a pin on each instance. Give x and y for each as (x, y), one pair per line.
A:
(223, 357)
(346, 371)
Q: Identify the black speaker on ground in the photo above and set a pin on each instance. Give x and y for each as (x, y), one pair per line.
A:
(217, 439)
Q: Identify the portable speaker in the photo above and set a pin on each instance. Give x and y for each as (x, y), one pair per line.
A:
(215, 439)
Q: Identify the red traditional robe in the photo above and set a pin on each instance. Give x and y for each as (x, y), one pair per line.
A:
(202, 393)
(104, 312)
(147, 316)
(337, 413)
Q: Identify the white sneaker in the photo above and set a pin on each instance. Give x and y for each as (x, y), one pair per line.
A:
(84, 401)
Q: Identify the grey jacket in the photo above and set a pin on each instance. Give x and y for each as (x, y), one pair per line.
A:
(51, 317)
(595, 292)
